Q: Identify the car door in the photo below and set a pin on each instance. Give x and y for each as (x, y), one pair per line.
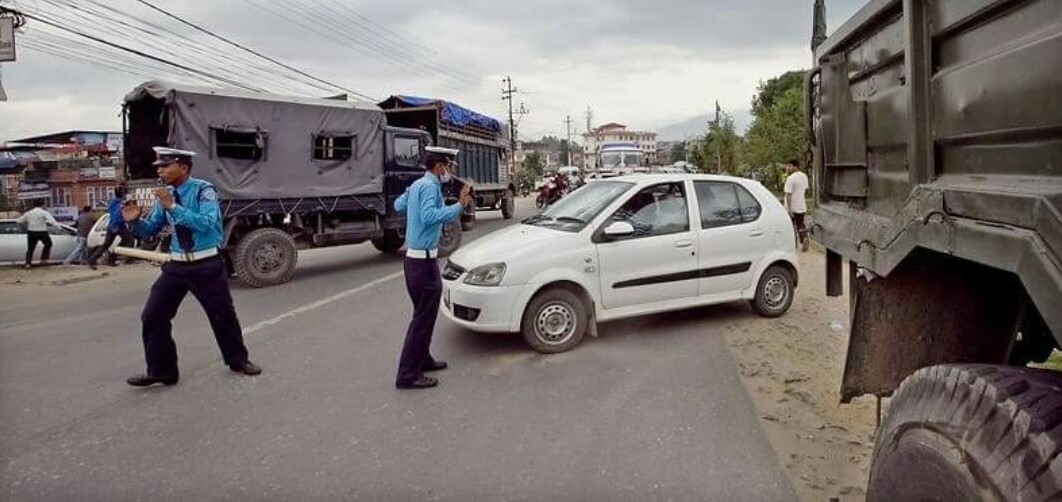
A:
(658, 262)
(12, 242)
(64, 239)
(731, 241)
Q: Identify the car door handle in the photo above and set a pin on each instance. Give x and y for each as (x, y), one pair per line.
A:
(683, 244)
(756, 233)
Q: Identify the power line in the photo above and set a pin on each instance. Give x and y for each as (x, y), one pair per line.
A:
(252, 51)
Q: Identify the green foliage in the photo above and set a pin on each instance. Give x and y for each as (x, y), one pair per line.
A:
(776, 136)
(768, 93)
(720, 150)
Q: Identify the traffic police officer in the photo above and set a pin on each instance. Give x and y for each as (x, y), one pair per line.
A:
(425, 216)
(190, 206)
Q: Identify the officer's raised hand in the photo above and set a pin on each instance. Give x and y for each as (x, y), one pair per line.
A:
(466, 195)
(165, 197)
(131, 211)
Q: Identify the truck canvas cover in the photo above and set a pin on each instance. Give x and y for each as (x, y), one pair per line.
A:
(450, 113)
(258, 146)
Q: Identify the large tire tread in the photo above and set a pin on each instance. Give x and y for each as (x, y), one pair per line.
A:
(1007, 422)
(245, 248)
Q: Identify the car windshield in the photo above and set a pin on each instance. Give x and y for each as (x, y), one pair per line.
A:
(575, 211)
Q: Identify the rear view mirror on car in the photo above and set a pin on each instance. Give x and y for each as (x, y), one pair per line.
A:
(619, 229)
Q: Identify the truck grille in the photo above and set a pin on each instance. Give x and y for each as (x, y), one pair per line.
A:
(452, 271)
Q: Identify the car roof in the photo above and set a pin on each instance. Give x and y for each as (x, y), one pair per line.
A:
(642, 179)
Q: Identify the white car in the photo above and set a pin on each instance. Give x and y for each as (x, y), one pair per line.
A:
(13, 242)
(626, 247)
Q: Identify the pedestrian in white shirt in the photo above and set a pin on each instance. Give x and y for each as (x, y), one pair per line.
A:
(37, 221)
(796, 185)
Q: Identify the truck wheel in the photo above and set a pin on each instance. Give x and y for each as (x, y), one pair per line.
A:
(555, 321)
(508, 206)
(971, 432)
(391, 241)
(450, 239)
(265, 257)
(468, 222)
(774, 293)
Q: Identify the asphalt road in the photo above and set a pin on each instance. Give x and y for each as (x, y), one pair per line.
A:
(653, 409)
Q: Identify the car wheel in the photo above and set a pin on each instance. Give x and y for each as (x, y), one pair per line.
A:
(508, 206)
(450, 239)
(265, 257)
(555, 321)
(774, 293)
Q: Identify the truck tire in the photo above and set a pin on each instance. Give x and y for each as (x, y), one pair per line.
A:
(265, 257)
(508, 206)
(971, 432)
(774, 292)
(391, 241)
(450, 239)
(554, 321)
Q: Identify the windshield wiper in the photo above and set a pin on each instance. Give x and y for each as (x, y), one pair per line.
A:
(569, 219)
(535, 219)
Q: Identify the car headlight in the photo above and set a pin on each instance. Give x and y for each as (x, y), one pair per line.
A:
(490, 274)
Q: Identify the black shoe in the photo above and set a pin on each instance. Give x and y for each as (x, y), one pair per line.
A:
(247, 368)
(436, 366)
(420, 383)
(146, 380)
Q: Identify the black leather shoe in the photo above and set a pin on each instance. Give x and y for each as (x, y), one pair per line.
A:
(146, 380)
(437, 366)
(420, 383)
(247, 368)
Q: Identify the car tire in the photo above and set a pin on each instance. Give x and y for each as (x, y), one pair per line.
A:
(555, 321)
(971, 432)
(391, 242)
(774, 292)
(265, 257)
(468, 221)
(508, 206)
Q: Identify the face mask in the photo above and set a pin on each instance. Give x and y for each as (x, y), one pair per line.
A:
(446, 177)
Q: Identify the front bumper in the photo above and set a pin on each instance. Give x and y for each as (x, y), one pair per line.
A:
(482, 308)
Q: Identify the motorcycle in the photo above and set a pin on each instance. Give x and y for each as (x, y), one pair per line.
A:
(550, 192)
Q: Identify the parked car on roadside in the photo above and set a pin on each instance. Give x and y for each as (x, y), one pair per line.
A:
(626, 247)
(13, 242)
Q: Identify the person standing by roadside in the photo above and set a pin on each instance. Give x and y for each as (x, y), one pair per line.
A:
(85, 221)
(116, 228)
(37, 221)
(426, 213)
(190, 205)
(796, 185)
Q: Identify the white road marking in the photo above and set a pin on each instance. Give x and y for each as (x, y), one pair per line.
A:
(258, 326)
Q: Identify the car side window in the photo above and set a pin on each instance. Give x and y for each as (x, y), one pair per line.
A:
(656, 210)
(9, 228)
(719, 204)
(57, 231)
(750, 207)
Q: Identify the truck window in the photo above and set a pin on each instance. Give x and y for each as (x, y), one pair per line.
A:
(407, 151)
(333, 147)
(239, 144)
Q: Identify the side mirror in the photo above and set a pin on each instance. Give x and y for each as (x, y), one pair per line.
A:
(619, 229)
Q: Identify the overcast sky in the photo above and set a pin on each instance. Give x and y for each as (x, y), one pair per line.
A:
(644, 64)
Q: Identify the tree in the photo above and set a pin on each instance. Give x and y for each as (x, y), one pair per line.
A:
(720, 150)
(776, 136)
(768, 93)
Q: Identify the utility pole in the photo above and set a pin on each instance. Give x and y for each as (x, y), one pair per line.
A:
(568, 123)
(718, 143)
(507, 95)
(589, 119)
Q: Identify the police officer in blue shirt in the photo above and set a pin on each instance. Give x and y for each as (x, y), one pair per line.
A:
(190, 206)
(426, 214)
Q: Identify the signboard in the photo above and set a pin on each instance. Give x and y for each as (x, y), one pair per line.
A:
(108, 173)
(7, 39)
(64, 213)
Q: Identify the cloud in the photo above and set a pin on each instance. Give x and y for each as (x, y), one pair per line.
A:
(644, 64)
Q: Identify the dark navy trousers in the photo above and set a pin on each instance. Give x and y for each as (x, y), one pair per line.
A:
(208, 282)
(424, 285)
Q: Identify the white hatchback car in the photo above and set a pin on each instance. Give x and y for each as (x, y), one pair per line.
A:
(625, 247)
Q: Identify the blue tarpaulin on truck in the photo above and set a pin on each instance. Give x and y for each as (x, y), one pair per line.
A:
(452, 114)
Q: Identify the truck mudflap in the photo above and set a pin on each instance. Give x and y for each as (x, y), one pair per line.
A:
(932, 309)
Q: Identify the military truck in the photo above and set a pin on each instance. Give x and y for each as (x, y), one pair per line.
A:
(935, 128)
(479, 138)
(291, 173)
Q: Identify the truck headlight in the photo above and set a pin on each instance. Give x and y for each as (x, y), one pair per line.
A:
(490, 274)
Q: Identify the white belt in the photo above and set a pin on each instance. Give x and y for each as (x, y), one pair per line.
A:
(196, 256)
(422, 253)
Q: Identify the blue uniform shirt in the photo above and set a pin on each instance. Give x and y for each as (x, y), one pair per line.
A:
(114, 211)
(197, 210)
(426, 213)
